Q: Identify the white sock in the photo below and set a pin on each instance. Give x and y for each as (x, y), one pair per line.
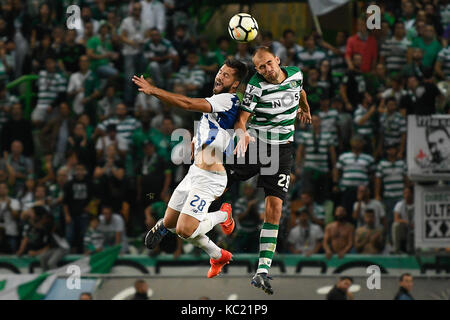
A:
(218, 217)
(203, 242)
(212, 219)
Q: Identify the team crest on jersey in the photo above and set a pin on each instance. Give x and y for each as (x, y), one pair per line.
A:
(293, 84)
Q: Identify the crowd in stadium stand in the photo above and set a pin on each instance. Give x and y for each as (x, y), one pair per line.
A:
(89, 164)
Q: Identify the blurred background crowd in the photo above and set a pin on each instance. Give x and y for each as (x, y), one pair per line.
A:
(88, 164)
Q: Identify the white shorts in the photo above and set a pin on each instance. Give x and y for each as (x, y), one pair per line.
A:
(197, 191)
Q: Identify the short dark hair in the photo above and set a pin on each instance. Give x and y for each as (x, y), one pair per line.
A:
(346, 278)
(239, 67)
(404, 275)
(287, 31)
(369, 210)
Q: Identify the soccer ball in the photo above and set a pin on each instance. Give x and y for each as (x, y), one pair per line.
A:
(243, 27)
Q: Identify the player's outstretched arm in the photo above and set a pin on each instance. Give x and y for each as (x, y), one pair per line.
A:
(172, 99)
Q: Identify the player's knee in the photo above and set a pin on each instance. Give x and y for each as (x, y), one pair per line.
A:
(184, 231)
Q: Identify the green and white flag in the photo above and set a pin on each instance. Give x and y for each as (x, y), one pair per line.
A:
(35, 287)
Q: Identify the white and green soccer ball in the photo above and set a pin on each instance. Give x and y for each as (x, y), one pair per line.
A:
(243, 27)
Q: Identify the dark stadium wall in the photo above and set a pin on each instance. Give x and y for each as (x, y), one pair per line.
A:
(280, 16)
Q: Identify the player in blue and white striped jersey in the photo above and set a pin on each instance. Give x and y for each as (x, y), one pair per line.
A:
(187, 211)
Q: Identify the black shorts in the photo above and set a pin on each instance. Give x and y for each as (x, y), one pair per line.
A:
(274, 174)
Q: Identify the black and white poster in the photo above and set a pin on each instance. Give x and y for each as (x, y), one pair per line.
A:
(432, 217)
(428, 147)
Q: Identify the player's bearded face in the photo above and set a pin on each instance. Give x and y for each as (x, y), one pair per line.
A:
(223, 81)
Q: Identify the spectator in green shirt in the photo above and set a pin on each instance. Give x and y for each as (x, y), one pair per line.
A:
(101, 53)
(429, 44)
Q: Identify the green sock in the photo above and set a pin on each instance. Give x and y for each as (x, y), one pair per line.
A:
(267, 246)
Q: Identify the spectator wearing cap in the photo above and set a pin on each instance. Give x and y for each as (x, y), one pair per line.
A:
(355, 168)
(392, 127)
(389, 182)
(364, 44)
(306, 237)
(315, 151)
(132, 34)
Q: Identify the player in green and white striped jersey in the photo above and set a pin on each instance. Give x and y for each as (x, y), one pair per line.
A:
(273, 96)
